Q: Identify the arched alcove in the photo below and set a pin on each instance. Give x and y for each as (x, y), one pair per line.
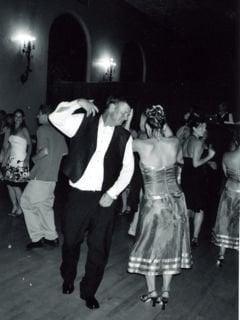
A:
(132, 63)
(67, 52)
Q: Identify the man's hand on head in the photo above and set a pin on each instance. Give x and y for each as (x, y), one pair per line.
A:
(89, 106)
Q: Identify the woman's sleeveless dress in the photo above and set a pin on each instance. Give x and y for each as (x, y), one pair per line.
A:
(162, 238)
(226, 229)
(16, 172)
(193, 181)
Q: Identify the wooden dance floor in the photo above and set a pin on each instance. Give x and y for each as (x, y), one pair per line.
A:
(31, 284)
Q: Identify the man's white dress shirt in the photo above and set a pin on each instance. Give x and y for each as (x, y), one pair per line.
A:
(92, 178)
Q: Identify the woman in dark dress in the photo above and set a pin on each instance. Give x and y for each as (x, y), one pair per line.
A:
(193, 176)
(162, 244)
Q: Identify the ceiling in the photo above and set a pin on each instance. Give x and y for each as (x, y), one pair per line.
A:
(201, 37)
(190, 16)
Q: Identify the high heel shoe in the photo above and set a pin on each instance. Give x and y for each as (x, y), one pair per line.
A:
(164, 299)
(149, 297)
(220, 261)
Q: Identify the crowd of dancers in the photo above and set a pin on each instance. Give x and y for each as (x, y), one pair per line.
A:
(103, 156)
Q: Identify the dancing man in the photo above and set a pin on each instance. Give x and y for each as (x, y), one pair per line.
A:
(99, 167)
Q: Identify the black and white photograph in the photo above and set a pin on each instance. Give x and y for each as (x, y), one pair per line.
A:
(119, 159)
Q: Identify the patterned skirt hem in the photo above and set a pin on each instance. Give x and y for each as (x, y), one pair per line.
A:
(159, 266)
(158, 273)
(225, 241)
(226, 245)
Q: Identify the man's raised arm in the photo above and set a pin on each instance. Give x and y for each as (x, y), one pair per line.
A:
(64, 119)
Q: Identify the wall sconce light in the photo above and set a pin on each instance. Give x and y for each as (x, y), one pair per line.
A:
(108, 65)
(27, 46)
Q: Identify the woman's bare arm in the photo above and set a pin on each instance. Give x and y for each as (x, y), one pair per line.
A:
(29, 145)
(197, 153)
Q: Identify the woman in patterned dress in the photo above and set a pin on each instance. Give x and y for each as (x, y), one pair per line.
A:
(226, 229)
(16, 160)
(162, 244)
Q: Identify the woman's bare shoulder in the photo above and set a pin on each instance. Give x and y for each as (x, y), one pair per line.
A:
(142, 142)
(231, 156)
(193, 141)
(25, 131)
(174, 139)
(171, 140)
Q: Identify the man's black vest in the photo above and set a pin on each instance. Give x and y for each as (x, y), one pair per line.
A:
(83, 145)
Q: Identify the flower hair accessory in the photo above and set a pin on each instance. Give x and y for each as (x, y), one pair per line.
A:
(156, 116)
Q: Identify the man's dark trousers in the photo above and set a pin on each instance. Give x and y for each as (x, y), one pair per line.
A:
(84, 216)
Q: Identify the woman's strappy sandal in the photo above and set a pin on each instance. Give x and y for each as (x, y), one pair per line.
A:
(164, 298)
(220, 261)
(151, 297)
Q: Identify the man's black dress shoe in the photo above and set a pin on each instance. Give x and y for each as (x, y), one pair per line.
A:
(37, 244)
(52, 243)
(91, 302)
(67, 288)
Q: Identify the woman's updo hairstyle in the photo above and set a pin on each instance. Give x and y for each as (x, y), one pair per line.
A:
(156, 117)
